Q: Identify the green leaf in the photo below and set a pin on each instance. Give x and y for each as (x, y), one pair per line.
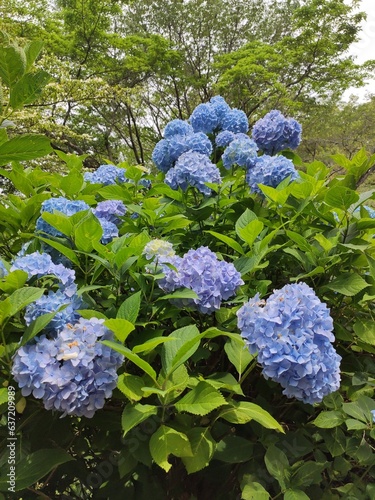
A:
(174, 353)
(238, 354)
(348, 284)
(35, 466)
(365, 330)
(254, 491)
(129, 309)
(22, 298)
(167, 441)
(245, 219)
(329, 419)
(295, 495)
(68, 252)
(24, 147)
(28, 88)
(354, 410)
(141, 363)
(3, 395)
(37, 326)
(32, 51)
(87, 231)
(243, 412)
(277, 465)
(72, 183)
(299, 240)
(308, 473)
(340, 197)
(90, 313)
(234, 450)
(203, 448)
(135, 414)
(185, 293)
(12, 64)
(131, 386)
(149, 345)
(355, 425)
(59, 221)
(201, 400)
(120, 327)
(249, 233)
(228, 241)
(13, 281)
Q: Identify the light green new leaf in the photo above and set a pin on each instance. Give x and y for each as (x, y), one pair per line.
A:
(129, 309)
(149, 345)
(238, 354)
(28, 88)
(365, 330)
(120, 327)
(185, 343)
(249, 233)
(254, 491)
(348, 284)
(243, 412)
(186, 293)
(295, 495)
(135, 414)
(329, 419)
(167, 441)
(59, 221)
(203, 448)
(228, 241)
(131, 386)
(12, 64)
(24, 147)
(201, 400)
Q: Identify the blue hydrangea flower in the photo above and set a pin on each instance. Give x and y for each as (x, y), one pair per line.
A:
(270, 171)
(369, 210)
(106, 175)
(235, 121)
(242, 152)
(60, 204)
(292, 334)
(110, 231)
(161, 156)
(40, 264)
(110, 210)
(51, 303)
(3, 270)
(224, 138)
(177, 127)
(373, 415)
(73, 373)
(199, 143)
(204, 118)
(213, 280)
(220, 107)
(193, 169)
(274, 132)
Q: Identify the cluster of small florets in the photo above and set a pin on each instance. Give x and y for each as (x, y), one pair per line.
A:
(270, 171)
(217, 115)
(73, 372)
(193, 169)
(274, 132)
(3, 270)
(106, 175)
(213, 280)
(292, 334)
(60, 204)
(240, 151)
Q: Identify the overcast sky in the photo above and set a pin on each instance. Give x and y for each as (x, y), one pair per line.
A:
(365, 48)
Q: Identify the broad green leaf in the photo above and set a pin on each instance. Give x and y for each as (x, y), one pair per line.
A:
(234, 450)
(149, 345)
(201, 400)
(274, 195)
(254, 491)
(131, 386)
(12, 64)
(3, 395)
(59, 221)
(120, 327)
(353, 424)
(24, 147)
(202, 446)
(173, 353)
(13, 281)
(228, 241)
(141, 363)
(32, 51)
(295, 495)
(90, 313)
(348, 284)
(340, 197)
(167, 441)
(28, 88)
(87, 231)
(371, 263)
(277, 465)
(329, 419)
(72, 183)
(238, 354)
(354, 410)
(68, 252)
(365, 330)
(243, 412)
(308, 473)
(34, 467)
(299, 240)
(249, 233)
(22, 298)
(246, 264)
(129, 309)
(247, 217)
(135, 414)
(37, 326)
(185, 293)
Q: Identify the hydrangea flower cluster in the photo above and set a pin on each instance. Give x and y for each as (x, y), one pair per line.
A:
(241, 151)
(164, 257)
(38, 264)
(60, 204)
(274, 132)
(369, 210)
(3, 270)
(217, 115)
(292, 333)
(270, 171)
(193, 169)
(106, 175)
(73, 373)
(110, 210)
(213, 280)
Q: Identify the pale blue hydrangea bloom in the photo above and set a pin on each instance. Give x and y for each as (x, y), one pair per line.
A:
(199, 143)
(242, 152)
(270, 171)
(74, 373)
(3, 270)
(110, 210)
(224, 138)
(235, 121)
(373, 415)
(177, 127)
(193, 169)
(292, 334)
(213, 280)
(220, 107)
(60, 204)
(38, 264)
(51, 303)
(161, 156)
(274, 132)
(204, 119)
(110, 231)
(106, 175)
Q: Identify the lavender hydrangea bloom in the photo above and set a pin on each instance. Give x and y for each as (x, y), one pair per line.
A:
(242, 152)
(200, 270)
(270, 171)
(110, 231)
(60, 204)
(41, 264)
(193, 169)
(292, 333)
(274, 132)
(235, 121)
(110, 210)
(3, 270)
(177, 127)
(51, 303)
(73, 373)
(106, 175)
(204, 118)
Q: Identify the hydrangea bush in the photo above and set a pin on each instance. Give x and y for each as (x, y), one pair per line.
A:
(202, 330)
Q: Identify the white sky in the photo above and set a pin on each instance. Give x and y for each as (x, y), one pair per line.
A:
(365, 49)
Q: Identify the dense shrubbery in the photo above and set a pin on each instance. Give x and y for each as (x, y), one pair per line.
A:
(181, 323)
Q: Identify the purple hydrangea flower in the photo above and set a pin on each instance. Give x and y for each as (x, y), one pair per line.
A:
(177, 127)
(242, 152)
(60, 204)
(270, 171)
(193, 169)
(274, 132)
(106, 175)
(235, 121)
(40, 264)
(51, 303)
(110, 231)
(73, 373)
(292, 333)
(110, 210)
